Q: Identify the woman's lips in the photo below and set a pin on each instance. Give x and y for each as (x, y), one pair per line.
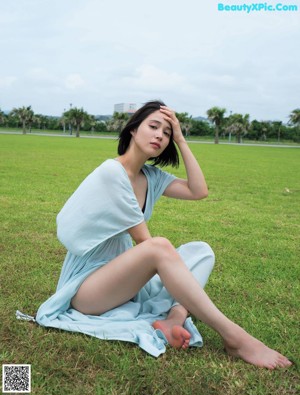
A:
(157, 145)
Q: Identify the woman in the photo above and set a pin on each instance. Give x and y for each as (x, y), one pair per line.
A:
(140, 293)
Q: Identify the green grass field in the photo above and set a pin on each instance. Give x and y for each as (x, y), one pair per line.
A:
(252, 221)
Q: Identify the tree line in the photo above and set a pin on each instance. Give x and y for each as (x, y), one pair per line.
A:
(217, 124)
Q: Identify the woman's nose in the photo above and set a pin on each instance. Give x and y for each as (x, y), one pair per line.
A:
(158, 134)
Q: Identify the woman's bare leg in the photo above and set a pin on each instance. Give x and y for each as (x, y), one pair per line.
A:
(119, 280)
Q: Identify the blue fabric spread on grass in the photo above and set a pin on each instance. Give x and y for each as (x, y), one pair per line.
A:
(93, 227)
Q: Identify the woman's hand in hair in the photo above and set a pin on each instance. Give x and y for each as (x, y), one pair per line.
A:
(170, 116)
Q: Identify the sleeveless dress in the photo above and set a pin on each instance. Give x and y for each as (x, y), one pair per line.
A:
(93, 226)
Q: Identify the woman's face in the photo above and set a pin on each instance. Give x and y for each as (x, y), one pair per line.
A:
(153, 135)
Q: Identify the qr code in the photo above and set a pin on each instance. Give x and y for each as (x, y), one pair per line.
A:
(16, 378)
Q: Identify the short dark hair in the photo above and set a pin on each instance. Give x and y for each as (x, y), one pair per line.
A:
(169, 156)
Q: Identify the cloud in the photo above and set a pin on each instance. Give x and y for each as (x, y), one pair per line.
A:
(191, 56)
(74, 81)
(151, 78)
(7, 82)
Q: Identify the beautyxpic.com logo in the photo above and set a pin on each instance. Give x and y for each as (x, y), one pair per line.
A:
(257, 7)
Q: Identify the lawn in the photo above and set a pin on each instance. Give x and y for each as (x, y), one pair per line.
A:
(252, 221)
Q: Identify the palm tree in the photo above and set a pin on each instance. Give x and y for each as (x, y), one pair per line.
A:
(295, 120)
(118, 121)
(62, 122)
(295, 117)
(40, 121)
(92, 123)
(186, 122)
(265, 129)
(216, 115)
(238, 124)
(2, 116)
(277, 128)
(31, 119)
(25, 116)
(77, 117)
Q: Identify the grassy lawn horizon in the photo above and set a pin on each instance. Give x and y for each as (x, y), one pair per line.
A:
(114, 135)
(251, 219)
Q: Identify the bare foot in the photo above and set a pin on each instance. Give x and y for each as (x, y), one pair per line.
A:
(255, 352)
(177, 336)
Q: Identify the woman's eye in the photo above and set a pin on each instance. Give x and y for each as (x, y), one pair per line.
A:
(153, 127)
(167, 134)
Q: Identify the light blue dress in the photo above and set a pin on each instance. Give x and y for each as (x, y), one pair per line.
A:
(93, 226)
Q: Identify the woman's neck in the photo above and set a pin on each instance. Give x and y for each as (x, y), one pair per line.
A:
(132, 165)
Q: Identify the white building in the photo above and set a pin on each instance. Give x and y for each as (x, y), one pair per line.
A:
(128, 108)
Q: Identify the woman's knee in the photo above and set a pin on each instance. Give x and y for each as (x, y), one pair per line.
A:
(163, 243)
(160, 247)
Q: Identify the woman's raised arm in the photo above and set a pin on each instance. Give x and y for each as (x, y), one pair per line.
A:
(194, 187)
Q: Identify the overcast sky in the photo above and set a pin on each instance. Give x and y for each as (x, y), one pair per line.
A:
(95, 53)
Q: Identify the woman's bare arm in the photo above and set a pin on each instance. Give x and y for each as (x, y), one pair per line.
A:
(194, 187)
(140, 233)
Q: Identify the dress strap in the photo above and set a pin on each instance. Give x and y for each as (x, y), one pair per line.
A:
(24, 317)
